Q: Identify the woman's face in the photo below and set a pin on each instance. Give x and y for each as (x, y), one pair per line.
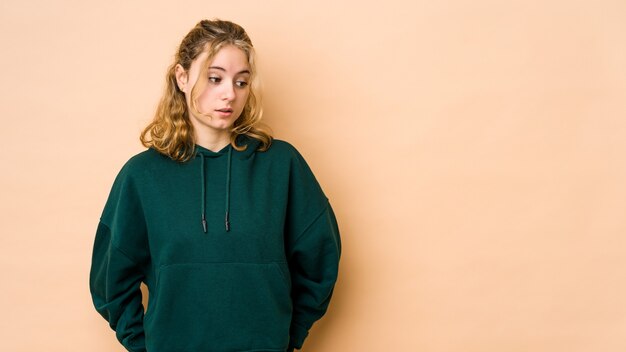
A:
(224, 92)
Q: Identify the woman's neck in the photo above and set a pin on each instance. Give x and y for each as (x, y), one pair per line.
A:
(214, 142)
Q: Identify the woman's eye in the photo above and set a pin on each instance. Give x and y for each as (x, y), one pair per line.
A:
(214, 79)
(241, 83)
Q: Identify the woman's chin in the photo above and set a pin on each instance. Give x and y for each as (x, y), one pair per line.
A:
(216, 124)
(222, 126)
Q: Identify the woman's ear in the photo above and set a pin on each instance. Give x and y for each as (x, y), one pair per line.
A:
(181, 77)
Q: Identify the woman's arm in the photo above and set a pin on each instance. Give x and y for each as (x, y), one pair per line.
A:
(314, 264)
(313, 249)
(114, 283)
(119, 262)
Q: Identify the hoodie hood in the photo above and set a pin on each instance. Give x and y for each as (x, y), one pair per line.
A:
(242, 140)
(228, 151)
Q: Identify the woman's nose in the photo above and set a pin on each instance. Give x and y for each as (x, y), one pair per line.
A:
(229, 92)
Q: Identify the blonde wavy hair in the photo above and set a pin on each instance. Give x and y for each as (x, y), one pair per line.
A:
(171, 133)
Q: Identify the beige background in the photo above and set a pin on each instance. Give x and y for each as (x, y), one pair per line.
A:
(473, 150)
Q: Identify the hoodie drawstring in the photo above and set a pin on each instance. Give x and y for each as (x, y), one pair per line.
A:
(227, 207)
(203, 180)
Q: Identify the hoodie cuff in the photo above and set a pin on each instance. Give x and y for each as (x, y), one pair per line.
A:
(137, 344)
(297, 335)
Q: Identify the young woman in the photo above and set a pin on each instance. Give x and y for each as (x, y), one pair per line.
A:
(227, 227)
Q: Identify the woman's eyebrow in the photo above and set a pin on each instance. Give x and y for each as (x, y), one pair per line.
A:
(222, 69)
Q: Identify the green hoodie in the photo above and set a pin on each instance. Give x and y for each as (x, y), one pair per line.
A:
(239, 251)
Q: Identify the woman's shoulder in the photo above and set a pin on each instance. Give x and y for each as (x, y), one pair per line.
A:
(284, 149)
(143, 161)
(300, 172)
(288, 155)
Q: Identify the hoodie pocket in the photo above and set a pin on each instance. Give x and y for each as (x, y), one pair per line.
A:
(220, 307)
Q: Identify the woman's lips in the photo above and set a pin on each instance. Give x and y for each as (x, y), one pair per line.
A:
(224, 112)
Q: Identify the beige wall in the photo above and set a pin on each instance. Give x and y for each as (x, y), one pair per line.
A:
(474, 152)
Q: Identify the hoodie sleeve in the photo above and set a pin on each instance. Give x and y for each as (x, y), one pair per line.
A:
(119, 261)
(313, 250)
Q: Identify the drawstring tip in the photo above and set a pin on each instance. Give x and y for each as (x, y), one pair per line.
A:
(204, 224)
(227, 223)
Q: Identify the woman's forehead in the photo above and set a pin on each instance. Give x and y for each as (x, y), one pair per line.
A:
(228, 58)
